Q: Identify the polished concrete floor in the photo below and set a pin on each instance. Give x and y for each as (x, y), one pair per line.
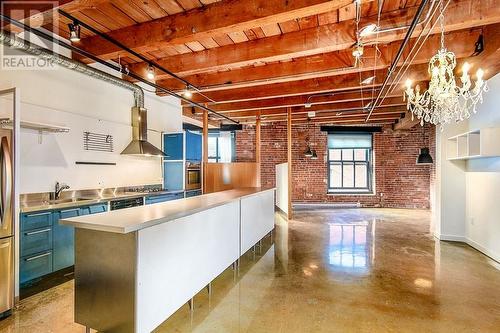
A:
(349, 270)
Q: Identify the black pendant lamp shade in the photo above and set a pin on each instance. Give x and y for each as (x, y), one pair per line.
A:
(424, 157)
(314, 156)
(308, 152)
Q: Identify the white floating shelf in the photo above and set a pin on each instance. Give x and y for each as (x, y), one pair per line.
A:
(41, 127)
(474, 144)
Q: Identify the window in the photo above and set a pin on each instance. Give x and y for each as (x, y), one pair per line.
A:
(221, 147)
(349, 163)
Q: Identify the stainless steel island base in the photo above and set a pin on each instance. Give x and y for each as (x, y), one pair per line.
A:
(132, 278)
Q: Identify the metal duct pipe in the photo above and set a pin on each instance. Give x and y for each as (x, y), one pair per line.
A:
(12, 41)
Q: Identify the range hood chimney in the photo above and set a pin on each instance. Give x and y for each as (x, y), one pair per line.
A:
(140, 145)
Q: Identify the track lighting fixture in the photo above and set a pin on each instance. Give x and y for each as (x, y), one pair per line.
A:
(74, 31)
(368, 30)
(187, 93)
(151, 73)
(368, 80)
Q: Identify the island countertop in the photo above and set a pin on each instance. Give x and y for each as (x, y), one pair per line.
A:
(136, 218)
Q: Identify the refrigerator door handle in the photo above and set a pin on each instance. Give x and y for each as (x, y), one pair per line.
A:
(6, 182)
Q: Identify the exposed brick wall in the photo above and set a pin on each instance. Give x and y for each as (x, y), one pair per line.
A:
(399, 182)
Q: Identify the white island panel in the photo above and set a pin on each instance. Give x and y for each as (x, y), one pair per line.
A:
(178, 259)
(257, 218)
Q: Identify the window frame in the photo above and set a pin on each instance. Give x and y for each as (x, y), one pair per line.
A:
(216, 134)
(368, 162)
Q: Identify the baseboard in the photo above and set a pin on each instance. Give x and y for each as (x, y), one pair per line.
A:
(313, 205)
(482, 249)
(451, 238)
(471, 243)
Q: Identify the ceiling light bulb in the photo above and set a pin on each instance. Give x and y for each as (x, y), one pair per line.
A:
(187, 93)
(368, 30)
(151, 73)
(307, 105)
(479, 74)
(466, 67)
(358, 51)
(408, 84)
(74, 32)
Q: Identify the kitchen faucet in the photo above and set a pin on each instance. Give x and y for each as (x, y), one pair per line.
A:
(58, 189)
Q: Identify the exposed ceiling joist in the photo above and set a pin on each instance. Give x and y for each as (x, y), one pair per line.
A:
(207, 22)
(344, 107)
(461, 14)
(323, 65)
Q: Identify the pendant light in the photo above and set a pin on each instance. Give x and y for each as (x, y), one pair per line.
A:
(314, 156)
(424, 158)
(308, 152)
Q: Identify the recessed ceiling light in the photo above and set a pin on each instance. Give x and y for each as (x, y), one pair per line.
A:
(368, 30)
(368, 80)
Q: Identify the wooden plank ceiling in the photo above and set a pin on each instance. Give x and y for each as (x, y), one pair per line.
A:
(260, 57)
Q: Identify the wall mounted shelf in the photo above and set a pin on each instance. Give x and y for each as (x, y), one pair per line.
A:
(41, 127)
(474, 144)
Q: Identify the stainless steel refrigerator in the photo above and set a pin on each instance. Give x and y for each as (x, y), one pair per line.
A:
(6, 224)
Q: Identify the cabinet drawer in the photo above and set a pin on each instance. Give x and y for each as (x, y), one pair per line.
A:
(98, 208)
(35, 266)
(94, 209)
(31, 221)
(34, 241)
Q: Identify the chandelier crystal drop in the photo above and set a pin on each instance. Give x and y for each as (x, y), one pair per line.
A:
(445, 101)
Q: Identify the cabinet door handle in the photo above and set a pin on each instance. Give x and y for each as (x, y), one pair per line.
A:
(39, 256)
(38, 214)
(70, 210)
(37, 232)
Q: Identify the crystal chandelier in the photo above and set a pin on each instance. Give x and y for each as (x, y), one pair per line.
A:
(445, 101)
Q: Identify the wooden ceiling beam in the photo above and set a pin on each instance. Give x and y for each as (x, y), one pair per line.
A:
(280, 102)
(322, 85)
(210, 21)
(39, 13)
(389, 119)
(461, 14)
(322, 65)
(346, 107)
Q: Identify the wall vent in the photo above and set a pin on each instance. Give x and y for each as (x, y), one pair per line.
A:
(98, 142)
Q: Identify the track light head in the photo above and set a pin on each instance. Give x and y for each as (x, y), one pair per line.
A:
(151, 73)
(74, 32)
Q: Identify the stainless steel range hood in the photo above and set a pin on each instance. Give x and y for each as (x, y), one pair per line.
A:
(140, 145)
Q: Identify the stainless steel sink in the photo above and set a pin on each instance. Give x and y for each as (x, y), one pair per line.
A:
(62, 201)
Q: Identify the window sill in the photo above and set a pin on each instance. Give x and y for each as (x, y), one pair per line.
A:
(333, 193)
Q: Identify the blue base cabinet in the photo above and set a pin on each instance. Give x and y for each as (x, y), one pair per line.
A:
(45, 245)
(64, 239)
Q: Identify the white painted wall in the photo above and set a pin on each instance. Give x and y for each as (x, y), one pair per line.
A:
(468, 203)
(64, 97)
(282, 187)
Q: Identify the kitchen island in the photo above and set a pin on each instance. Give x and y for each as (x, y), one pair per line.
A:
(135, 267)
